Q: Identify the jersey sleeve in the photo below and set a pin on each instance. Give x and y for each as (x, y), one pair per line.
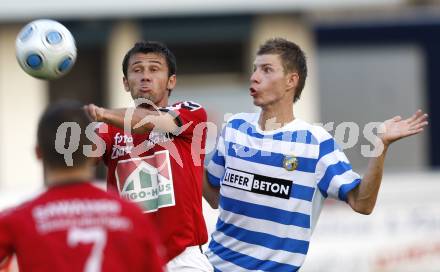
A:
(216, 166)
(188, 116)
(6, 248)
(335, 175)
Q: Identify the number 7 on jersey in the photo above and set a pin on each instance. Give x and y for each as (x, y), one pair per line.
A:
(92, 235)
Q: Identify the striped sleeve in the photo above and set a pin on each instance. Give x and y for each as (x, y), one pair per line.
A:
(216, 166)
(336, 177)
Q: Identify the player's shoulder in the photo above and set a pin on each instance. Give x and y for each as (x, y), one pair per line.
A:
(188, 111)
(94, 193)
(316, 130)
(248, 117)
(186, 105)
(25, 205)
(9, 211)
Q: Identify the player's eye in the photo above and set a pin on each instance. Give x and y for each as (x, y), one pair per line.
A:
(267, 69)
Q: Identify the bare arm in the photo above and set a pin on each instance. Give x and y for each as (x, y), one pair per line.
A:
(141, 120)
(210, 193)
(362, 199)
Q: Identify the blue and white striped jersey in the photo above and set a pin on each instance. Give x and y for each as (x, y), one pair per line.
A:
(268, 208)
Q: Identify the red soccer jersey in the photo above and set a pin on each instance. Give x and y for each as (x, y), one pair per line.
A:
(162, 172)
(77, 227)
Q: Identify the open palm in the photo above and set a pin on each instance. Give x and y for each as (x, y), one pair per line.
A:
(396, 128)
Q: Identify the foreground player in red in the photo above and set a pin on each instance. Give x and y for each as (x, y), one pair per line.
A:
(154, 154)
(74, 226)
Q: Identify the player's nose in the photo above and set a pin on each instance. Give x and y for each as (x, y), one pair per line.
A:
(255, 78)
(146, 76)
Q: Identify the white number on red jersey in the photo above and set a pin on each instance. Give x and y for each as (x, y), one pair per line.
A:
(92, 235)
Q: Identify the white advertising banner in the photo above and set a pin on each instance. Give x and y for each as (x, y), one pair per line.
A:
(401, 235)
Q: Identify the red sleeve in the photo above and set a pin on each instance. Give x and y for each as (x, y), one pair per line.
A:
(188, 116)
(6, 247)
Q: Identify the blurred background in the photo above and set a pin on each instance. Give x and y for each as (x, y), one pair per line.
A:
(368, 60)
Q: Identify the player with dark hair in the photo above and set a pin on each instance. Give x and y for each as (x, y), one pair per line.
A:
(153, 153)
(271, 171)
(73, 226)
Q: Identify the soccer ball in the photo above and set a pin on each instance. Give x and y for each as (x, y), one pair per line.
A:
(45, 49)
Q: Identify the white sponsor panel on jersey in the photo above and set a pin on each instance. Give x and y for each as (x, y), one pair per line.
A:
(257, 183)
(147, 181)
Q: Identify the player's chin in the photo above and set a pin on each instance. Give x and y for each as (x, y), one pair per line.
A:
(145, 96)
(146, 102)
(257, 102)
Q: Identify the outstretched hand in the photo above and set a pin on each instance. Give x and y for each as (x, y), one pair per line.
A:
(95, 112)
(396, 128)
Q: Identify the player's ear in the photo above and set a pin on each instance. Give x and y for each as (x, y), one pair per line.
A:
(38, 152)
(171, 82)
(292, 80)
(125, 81)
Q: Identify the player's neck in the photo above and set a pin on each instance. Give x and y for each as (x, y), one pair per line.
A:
(59, 176)
(275, 116)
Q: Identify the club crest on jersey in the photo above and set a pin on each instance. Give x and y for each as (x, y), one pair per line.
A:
(290, 163)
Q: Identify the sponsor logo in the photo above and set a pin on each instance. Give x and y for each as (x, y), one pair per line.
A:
(119, 139)
(119, 151)
(122, 146)
(147, 181)
(158, 138)
(257, 183)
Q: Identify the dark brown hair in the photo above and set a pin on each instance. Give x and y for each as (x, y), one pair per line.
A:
(53, 117)
(151, 47)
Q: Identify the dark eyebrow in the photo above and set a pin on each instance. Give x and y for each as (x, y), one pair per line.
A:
(150, 61)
